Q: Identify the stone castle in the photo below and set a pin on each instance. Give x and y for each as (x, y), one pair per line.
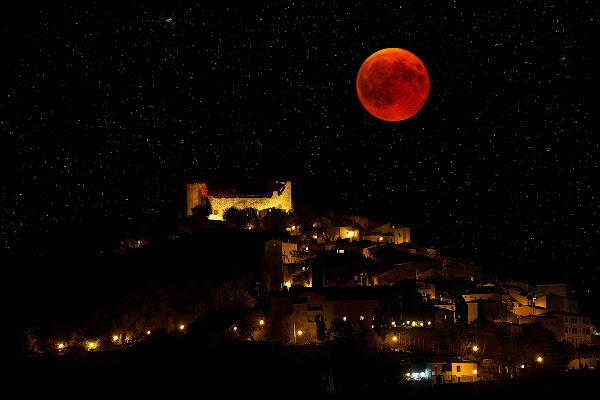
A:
(280, 197)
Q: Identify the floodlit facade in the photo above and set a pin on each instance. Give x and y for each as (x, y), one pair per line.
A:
(454, 372)
(280, 198)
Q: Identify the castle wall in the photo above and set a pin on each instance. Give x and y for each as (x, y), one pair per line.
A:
(280, 199)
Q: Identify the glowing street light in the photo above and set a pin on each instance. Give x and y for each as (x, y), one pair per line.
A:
(475, 348)
(540, 359)
(181, 327)
(262, 322)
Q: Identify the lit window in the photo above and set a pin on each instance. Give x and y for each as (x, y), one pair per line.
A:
(362, 318)
(344, 318)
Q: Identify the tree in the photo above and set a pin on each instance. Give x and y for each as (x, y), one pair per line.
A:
(274, 220)
(246, 218)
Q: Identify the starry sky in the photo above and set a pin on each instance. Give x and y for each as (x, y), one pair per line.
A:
(108, 111)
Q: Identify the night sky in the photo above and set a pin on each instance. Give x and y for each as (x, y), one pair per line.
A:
(107, 111)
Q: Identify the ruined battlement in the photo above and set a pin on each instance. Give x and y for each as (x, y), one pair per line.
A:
(279, 198)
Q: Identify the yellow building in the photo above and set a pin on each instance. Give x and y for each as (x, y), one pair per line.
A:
(454, 372)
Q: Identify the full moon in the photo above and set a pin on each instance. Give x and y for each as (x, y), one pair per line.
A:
(392, 84)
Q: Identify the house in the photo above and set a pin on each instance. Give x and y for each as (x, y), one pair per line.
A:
(279, 258)
(565, 326)
(443, 315)
(455, 371)
(337, 228)
(484, 293)
(426, 289)
(556, 302)
(561, 289)
(491, 310)
(304, 309)
(524, 298)
(388, 233)
(523, 311)
(395, 274)
(295, 318)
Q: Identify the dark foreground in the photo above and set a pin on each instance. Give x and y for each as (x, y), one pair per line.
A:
(238, 369)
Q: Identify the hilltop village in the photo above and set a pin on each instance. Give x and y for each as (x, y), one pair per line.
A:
(318, 278)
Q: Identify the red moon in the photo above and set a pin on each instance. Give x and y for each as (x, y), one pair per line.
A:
(392, 84)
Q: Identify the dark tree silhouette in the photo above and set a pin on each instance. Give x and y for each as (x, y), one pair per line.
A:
(242, 219)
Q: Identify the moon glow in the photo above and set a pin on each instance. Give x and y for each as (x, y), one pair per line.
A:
(392, 84)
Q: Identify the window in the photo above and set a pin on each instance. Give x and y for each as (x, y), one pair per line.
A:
(362, 317)
(458, 368)
(344, 318)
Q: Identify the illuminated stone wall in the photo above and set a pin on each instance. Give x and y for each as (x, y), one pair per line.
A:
(279, 199)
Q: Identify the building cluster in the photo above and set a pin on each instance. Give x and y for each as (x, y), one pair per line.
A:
(366, 283)
(353, 269)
